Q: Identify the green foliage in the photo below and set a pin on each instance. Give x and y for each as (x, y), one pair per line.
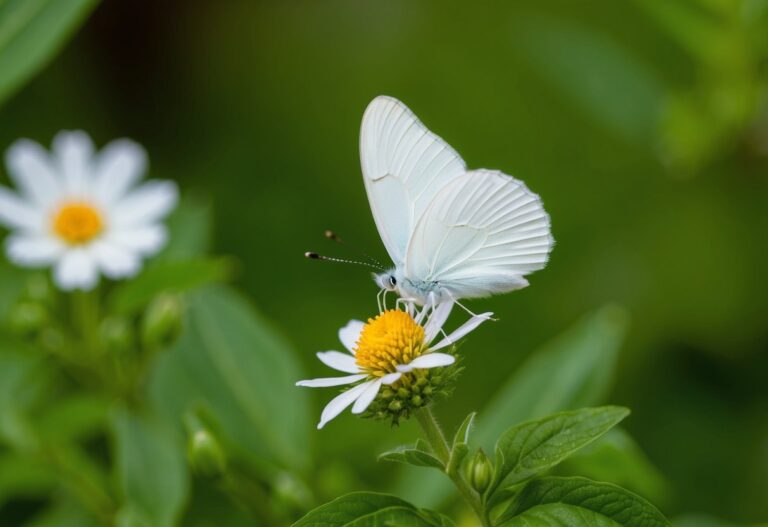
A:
(576, 502)
(229, 360)
(533, 447)
(368, 509)
(31, 31)
(151, 471)
(419, 455)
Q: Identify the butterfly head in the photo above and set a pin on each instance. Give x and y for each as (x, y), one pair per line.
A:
(386, 280)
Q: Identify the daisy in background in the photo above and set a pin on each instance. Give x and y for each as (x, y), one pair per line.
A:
(80, 211)
(392, 350)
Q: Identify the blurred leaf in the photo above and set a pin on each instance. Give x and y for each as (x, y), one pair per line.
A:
(173, 276)
(11, 286)
(617, 458)
(595, 73)
(190, 227)
(23, 476)
(63, 514)
(368, 509)
(20, 380)
(74, 418)
(230, 360)
(705, 520)
(571, 498)
(574, 370)
(31, 31)
(151, 470)
(530, 448)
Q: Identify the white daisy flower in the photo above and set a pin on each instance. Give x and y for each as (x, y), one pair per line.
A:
(384, 351)
(81, 212)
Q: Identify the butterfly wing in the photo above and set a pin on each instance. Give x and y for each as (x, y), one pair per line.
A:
(404, 166)
(480, 235)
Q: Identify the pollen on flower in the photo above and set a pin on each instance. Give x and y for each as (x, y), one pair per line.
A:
(77, 222)
(390, 339)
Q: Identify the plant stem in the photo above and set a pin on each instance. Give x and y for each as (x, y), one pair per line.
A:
(436, 439)
(86, 317)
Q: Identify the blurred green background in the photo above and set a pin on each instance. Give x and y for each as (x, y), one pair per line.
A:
(642, 124)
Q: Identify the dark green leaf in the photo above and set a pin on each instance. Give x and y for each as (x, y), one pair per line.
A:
(369, 509)
(412, 456)
(586, 503)
(31, 31)
(530, 448)
(173, 276)
(74, 418)
(230, 360)
(151, 469)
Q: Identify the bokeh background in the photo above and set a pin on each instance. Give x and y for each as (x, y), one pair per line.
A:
(642, 124)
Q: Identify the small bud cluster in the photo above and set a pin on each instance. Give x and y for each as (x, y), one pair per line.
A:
(414, 390)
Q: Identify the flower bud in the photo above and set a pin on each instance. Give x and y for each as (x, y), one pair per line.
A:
(480, 471)
(205, 454)
(162, 321)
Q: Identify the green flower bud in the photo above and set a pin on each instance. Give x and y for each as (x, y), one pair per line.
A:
(205, 454)
(27, 317)
(480, 471)
(162, 321)
(117, 334)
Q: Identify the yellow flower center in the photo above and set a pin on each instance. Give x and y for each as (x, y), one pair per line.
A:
(77, 222)
(392, 338)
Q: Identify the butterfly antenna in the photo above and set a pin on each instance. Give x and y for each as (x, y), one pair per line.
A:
(335, 237)
(315, 256)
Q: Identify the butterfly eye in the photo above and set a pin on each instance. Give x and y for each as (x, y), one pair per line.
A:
(392, 281)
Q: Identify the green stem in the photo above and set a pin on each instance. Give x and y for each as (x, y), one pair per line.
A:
(438, 442)
(85, 306)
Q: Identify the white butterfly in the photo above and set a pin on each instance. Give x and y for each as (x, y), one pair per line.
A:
(451, 232)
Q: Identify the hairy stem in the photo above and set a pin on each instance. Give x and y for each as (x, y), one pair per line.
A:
(438, 442)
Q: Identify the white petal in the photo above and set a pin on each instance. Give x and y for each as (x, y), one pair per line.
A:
(339, 361)
(17, 213)
(391, 378)
(33, 250)
(430, 360)
(31, 170)
(349, 334)
(146, 240)
(340, 402)
(76, 270)
(146, 204)
(118, 167)
(330, 381)
(367, 397)
(464, 329)
(114, 260)
(436, 320)
(74, 151)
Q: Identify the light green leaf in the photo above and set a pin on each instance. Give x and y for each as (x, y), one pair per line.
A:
(574, 370)
(412, 456)
(617, 458)
(369, 509)
(530, 448)
(64, 514)
(151, 469)
(24, 476)
(232, 362)
(31, 31)
(167, 276)
(462, 434)
(190, 226)
(585, 502)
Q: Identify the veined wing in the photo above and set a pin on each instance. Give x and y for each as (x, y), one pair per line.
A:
(481, 234)
(404, 167)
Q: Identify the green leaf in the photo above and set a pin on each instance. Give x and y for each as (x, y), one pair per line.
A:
(572, 371)
(167, 276)
(462, 434)
(31, 31)
(151, 469)
(232, 362)
(617, 458)
(412, 456)
(705, 520)
(369, 509)
(24, 476)
(530, 448)
(575, 502)
(64, 514)
(190, 226)
(74, 418)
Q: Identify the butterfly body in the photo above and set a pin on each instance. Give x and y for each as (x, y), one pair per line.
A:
(451, 232)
